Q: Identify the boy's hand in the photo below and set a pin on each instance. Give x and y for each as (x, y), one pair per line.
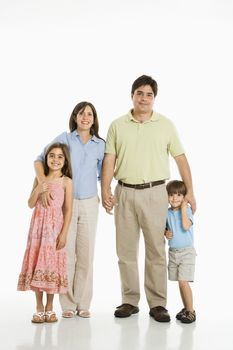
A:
(168, 234)
(184, 204)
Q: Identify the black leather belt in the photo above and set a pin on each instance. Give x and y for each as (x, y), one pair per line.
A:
(142, 186)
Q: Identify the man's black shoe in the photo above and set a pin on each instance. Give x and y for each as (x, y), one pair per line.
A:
(126, 310)
(160, 314)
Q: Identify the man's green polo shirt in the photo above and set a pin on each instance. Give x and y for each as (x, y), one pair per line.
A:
(142, 149)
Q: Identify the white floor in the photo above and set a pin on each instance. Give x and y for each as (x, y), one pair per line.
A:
(103, 331)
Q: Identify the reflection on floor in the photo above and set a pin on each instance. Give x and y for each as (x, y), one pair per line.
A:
(103, 331)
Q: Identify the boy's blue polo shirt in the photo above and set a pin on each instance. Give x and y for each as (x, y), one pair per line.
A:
(181, 238)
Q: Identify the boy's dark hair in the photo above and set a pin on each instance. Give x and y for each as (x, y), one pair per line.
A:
(176, 186)
(66, 170)
(142, 81)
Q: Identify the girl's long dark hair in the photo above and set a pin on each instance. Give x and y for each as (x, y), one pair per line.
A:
(66, 170)
(80, 108)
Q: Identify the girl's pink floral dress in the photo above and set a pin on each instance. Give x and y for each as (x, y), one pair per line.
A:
(44, 267)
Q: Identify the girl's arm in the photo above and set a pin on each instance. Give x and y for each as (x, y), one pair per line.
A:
(186, 222)
(37, 189)
(67, 212)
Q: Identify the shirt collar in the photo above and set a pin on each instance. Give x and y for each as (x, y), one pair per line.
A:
(154, 117)
(94, 138)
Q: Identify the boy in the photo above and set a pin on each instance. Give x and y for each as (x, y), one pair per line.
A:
(179, 232)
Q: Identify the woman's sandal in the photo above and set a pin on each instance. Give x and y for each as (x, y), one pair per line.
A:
(38, 317)
(84, 313)
(50, 316)
(68, 314)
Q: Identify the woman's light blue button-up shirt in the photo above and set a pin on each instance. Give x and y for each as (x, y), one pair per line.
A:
(86, 161)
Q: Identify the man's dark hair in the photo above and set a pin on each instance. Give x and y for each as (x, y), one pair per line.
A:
(145, 80)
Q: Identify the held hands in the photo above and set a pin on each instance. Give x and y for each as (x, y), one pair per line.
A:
(184, 204)
(42, 187)
(108, 202)
(46, 196)
(189, 198)
(168, 234)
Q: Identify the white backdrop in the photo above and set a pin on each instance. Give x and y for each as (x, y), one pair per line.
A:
(56, 53)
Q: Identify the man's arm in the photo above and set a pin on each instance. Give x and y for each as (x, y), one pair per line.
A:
(106, 179)
(185, 173)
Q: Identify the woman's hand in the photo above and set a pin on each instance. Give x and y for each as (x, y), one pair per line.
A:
(45, 195)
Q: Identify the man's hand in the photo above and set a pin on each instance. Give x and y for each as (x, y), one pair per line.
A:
(185, 174)
(189, 198)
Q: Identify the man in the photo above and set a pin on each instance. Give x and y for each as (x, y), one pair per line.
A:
(137, 154)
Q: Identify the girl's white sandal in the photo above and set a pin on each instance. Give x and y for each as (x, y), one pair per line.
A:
(38, 317)
(50, 316)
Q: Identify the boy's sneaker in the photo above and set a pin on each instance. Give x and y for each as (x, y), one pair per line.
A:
(188, 317)
(180, 314)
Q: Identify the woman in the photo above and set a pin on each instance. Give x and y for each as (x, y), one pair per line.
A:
(86, 152)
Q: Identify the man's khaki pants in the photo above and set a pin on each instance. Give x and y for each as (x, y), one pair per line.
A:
(80, 253)
(144, 209)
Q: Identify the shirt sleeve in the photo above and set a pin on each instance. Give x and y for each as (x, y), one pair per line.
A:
(100, 159)
(167, 222)
(111, 140)
(190, 214)
(62, 138)
(175, 146)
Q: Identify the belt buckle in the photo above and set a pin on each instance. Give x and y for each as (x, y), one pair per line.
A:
(142, 186)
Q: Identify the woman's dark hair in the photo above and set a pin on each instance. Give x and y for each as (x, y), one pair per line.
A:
(176, 186)
(66, 170)
(80, 108)
(142, 81)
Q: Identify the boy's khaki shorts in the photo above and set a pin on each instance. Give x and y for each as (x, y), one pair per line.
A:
(181, 264)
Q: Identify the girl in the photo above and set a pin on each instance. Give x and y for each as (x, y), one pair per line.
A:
(44, 264)
(87, 152)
